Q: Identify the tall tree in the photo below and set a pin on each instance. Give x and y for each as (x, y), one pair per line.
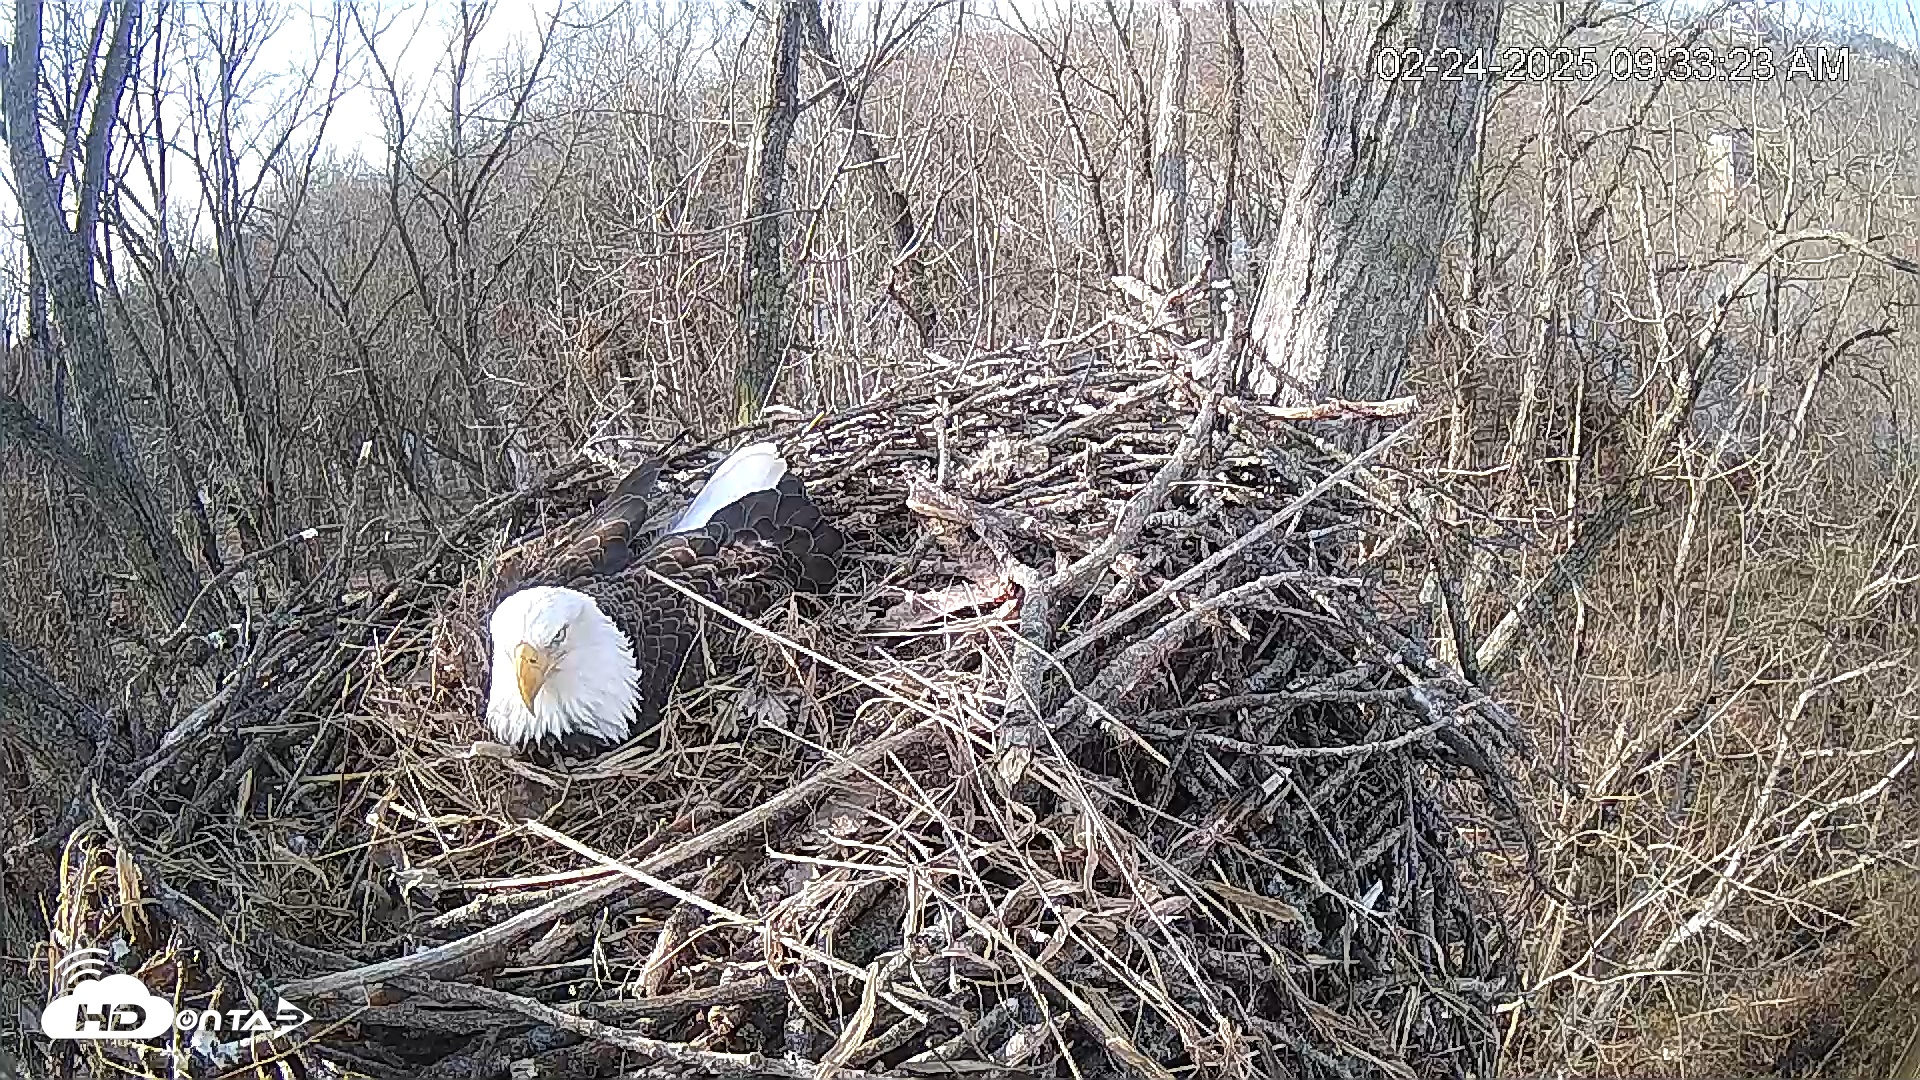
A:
(99, 459)
(763, 276)
(1371, 196)
(1220, 230)
(457, 270)
(1167, 217)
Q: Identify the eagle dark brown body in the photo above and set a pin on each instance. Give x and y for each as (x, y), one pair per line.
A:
(749, 553)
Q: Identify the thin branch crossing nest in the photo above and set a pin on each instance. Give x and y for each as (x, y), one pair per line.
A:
(1102, 761)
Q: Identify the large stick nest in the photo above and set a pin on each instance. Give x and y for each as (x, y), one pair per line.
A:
(1102, 760)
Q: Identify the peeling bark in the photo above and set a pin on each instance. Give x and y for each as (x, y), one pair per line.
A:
(1370, 201)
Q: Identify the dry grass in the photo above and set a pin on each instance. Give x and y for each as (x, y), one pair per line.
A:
(1731, 809)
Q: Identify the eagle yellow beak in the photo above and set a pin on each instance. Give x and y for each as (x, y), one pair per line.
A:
(531, 668)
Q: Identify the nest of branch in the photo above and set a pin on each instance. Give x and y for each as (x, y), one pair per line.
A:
(1101, 761)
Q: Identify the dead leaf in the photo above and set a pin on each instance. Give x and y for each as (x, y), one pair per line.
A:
(1252, 901)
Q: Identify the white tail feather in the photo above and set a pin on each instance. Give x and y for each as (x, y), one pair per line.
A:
(756, 467)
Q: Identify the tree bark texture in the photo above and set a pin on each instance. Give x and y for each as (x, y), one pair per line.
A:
(1370, 200)
(1167, 217)
(1220, 232)
(62, 254)
(763, 314)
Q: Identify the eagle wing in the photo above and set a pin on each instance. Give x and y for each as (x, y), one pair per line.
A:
(747, 555)
(606, 544)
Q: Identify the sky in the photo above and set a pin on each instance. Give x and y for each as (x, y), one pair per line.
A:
(414, 38)
(415, 41)
(1895, 20)
(418, 32)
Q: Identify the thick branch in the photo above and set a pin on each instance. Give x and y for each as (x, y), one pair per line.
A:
(55, 248)
(106, 491)
(1167, 224)
(1368, 207)
(1220, 232)
(106, 110)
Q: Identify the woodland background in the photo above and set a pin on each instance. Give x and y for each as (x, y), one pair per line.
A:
(1667, 366)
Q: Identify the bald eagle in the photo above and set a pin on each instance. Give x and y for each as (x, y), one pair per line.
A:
(590, 642)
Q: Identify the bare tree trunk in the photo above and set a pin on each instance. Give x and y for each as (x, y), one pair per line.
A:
(62, 254)
(907, 285)
(1167, 219)
(102, 462)
(763, 313)
(1369, 203)
(1220, 232)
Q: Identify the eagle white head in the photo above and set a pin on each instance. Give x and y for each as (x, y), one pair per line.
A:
(560, 665)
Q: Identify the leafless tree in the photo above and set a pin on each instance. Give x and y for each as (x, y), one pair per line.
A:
(1662, 497)
(1167, 218)
(100, 460)
(1220, 232)
(763, 271)
(907, 283)
(1371, 197)
(457, 276)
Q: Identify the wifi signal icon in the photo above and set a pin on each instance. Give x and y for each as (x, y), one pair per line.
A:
(80, 966)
